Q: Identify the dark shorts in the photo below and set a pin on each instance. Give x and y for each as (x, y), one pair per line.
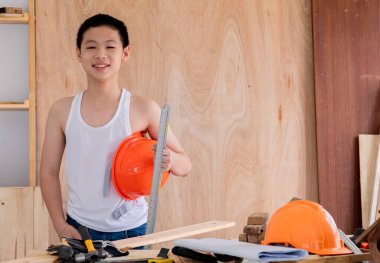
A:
(111, 236)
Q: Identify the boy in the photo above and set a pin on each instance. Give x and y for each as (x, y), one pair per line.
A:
(91, 125)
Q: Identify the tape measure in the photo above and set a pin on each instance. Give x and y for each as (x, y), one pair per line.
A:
(157, 172)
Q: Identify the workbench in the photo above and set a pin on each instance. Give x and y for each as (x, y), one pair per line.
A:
(43, 257)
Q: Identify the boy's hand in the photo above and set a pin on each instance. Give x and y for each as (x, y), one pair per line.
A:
(69, 231)
(167, 161)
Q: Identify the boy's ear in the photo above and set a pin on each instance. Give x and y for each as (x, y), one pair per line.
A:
(126, 53)
(79, 55)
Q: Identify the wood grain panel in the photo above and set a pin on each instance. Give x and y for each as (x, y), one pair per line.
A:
(23, 220)
(346, 62)
(238, 77)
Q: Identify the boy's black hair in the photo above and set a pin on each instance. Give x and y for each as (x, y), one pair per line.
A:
(103, 20)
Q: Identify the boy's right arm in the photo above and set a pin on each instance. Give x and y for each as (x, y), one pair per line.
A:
(51, 158)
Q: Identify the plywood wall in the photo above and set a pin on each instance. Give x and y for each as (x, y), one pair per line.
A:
(238, 76)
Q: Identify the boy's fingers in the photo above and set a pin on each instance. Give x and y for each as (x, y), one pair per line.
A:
(165, 168)
(70, 231)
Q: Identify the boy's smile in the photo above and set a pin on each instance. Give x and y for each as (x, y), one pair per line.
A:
(101, 67)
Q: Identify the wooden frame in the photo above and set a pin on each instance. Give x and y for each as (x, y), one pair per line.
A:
(32, 96)
(30, 103)
(15, 20)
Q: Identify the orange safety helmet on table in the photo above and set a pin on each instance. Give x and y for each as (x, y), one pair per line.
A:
(305, 224)
(132, 167)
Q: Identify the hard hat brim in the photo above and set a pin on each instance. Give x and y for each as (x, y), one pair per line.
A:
(332, 252)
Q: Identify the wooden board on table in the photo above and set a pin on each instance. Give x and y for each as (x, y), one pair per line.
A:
(172, 234)
(368, 146)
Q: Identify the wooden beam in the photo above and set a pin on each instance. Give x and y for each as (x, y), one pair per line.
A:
(32, 96)
(172, 234)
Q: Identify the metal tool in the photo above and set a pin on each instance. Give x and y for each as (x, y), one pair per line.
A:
(92, 254)
(157, 172)
(351, 245)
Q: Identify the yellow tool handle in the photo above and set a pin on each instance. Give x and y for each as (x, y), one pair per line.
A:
(83, 231)
(161, 260)
(89, 245)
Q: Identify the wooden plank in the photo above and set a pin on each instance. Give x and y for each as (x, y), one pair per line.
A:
(15, 19)
(32, 96)
(374, 205)
(40, 222)
(172, 234)
(23, 222)
(363, 236)
(16, 222)
(346, 36)
(257, 219)
(14, 105)
(41, 258)
(368, 147)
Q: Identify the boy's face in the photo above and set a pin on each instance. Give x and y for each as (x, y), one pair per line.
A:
(101, 53)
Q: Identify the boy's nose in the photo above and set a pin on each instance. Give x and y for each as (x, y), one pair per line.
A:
(100, 56)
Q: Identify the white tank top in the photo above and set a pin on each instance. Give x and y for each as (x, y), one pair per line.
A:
(92, 197)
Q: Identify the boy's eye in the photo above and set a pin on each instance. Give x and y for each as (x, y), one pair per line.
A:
(90, 47)
(110, 47)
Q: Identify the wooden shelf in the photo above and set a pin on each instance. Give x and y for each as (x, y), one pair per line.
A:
(30, 104)
(15, 19)
(14, 105)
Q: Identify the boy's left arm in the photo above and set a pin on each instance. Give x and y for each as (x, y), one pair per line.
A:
(174, 157)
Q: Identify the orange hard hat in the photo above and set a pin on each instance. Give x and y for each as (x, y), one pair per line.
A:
(307, 225)
(132, 167)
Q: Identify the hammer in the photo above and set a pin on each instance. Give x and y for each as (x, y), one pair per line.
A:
(92, 254)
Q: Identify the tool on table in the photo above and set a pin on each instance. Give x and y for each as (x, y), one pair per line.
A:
(65, 253)
(195, 255)
(92, 254)
(108, 246)
(348, 242)
(157, 172)
(162, 257)
(80, 250)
